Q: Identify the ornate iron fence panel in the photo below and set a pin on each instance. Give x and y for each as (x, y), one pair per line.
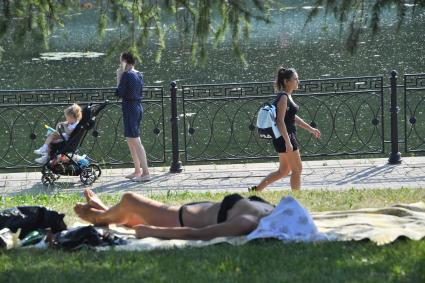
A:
(414, 112)
(219, 120)
(23, 114)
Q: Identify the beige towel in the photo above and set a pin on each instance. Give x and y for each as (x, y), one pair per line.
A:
(380, 225)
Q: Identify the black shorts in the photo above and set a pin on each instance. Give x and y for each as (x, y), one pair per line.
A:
(279, 143)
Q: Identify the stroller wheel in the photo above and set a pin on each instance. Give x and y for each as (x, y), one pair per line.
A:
(48, 179)
(96, 170)
(89, 174)
(46, 171)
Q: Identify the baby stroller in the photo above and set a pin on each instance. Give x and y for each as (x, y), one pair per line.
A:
(63, 158)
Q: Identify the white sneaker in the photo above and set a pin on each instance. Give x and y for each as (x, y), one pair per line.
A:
(41, 151)
(38, 151)
(42, 159)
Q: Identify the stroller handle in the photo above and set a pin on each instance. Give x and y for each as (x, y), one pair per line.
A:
(100, 107)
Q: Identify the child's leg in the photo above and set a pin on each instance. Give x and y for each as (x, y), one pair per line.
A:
(45, 148)
(52, 137)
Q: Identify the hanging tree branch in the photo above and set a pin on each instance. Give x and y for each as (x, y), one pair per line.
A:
(360, 16)
(20, 20)
(199, 22)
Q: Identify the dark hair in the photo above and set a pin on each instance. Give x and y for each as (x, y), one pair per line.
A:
(282, 75)
(128, 57)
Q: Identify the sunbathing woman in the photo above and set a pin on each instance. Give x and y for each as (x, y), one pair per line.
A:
(233, 216)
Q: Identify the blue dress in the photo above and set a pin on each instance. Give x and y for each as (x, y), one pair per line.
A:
(130, 89)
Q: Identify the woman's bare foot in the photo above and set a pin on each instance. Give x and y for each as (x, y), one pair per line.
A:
(94, 201)
(89, 214)
(86, 212)
(132, 175)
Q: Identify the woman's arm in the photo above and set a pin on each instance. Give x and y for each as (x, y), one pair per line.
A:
(237, 226)
(280, 118)
(122, 86)
(300, 122)
(119, 75)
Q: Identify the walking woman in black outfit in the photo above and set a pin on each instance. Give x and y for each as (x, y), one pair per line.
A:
(286, 145)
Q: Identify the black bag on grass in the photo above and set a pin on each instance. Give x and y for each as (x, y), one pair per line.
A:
(30, 218)
(86, 236)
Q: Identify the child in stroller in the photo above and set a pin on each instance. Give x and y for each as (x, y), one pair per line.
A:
(72, 116)
(62, 158)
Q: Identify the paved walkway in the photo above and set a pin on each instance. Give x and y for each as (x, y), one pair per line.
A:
(325, 174)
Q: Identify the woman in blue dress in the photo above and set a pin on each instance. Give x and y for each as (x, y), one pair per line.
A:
(130, 86)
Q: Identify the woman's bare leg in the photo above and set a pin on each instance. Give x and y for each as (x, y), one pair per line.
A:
(282, 171)
(134, 155)
(138, 154)
(294, 160)
(132, 210)
(141, 153)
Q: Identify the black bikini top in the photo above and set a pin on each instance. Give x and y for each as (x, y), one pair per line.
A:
(230, 200)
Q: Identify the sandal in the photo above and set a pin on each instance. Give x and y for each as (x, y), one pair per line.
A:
(130, 176)
(145, 178)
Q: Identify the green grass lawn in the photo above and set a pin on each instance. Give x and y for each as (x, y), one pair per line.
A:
(258, 261)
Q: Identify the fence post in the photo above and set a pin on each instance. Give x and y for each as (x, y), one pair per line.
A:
(176, 165)
(395, 155)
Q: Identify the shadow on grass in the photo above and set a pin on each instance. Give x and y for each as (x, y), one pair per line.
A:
(260, 261)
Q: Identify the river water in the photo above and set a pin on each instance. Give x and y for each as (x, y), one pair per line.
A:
(314, 52)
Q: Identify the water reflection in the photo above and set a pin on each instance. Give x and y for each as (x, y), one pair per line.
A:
(315, 50)
(57, 56)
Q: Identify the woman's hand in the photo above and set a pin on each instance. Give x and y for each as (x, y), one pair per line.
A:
(315, 132)
(123, 66)
(288, 146)
(120, 71)
(127, 67)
